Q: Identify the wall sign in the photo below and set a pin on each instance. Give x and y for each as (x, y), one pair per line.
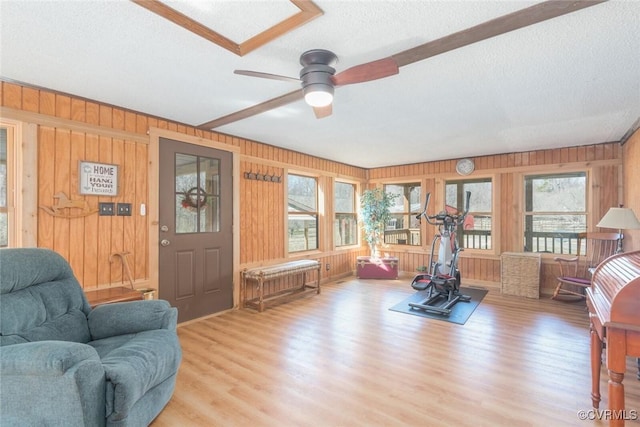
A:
(98, 179)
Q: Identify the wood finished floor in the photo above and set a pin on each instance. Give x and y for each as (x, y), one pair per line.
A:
(342, 358)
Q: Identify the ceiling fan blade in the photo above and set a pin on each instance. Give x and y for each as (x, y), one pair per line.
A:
(266, 76)
(366, 72)
(501, 25)
(322, 112)
(254, 110)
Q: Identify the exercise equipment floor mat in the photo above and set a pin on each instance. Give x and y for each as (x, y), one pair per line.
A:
(460, 312)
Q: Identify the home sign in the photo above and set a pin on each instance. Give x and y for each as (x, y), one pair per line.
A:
(98, 179)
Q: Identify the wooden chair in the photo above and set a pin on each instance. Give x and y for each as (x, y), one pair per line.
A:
(575, 273)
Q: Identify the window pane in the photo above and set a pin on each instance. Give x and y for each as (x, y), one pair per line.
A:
(554, 233)
(345, 197)
(345, 229)
(209, 183)
(302, 193)
(4, 217)
(403, 228)
(555, 212)
(303, 232)
(558, 194)
(345, 225)
(475, 231)
(302, 220)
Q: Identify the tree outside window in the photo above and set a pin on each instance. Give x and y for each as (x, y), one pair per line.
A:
(345, 228)
(555, 212)
(476, 231)
(302, 213)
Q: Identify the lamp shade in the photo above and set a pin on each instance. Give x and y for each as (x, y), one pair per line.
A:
(619, 218)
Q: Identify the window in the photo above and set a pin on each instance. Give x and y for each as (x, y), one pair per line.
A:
(404, 228)
(555, 212)
(5, 185)
(475, 231)
(345, 228)
(302, 213)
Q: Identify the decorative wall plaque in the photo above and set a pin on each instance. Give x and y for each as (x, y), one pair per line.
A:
(98, 179)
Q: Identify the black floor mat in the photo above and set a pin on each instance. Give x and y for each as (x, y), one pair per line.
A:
(460, 312)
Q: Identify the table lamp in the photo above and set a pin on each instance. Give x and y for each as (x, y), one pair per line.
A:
(620, 218)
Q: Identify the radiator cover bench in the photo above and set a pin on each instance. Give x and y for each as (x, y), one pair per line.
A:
(260, 275)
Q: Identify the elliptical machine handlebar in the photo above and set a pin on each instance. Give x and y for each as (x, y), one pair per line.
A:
(443, 217)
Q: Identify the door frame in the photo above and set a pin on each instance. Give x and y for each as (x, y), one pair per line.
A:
(154, 200)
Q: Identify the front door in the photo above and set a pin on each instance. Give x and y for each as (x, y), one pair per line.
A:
(195, 238)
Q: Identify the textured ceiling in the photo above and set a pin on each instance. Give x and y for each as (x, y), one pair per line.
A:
(572, 80)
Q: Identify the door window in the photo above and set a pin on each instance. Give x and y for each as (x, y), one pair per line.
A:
(197, 194)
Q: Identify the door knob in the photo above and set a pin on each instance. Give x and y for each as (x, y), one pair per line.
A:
(164, 228)
(165, 242)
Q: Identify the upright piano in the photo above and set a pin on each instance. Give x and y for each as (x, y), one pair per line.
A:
(614, 312)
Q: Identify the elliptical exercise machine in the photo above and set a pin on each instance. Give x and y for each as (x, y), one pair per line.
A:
(442, 280)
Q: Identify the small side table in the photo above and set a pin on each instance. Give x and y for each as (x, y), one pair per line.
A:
(110, 295)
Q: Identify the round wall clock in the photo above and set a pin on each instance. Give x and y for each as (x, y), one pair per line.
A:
(465, 166)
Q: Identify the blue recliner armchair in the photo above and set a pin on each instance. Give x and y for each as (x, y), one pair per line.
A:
(64, 364)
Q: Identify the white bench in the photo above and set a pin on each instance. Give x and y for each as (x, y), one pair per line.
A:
(260, 275)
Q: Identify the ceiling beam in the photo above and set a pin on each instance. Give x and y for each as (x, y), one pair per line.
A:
(495, 27)
(308, 11)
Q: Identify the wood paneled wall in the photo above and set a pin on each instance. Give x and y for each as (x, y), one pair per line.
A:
(262, 228)
(631, 199)
(88, 242)
(72, 129)
(603, 162)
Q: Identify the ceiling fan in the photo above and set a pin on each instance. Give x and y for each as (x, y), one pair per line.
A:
(318, 78)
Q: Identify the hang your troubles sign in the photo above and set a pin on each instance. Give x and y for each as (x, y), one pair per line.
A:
(98, 179)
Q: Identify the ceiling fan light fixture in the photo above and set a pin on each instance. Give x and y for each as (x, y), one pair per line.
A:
(318, 95)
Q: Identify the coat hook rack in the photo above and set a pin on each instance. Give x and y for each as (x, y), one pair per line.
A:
(258, 176)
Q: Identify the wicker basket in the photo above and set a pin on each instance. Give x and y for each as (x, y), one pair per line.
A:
(520, 274)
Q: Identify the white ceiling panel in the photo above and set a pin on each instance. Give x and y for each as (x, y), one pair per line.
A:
(572, 80)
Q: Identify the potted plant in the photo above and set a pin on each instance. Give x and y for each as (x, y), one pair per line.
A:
(375, 212)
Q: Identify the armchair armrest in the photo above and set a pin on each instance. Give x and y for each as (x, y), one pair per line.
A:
(51, 383)
(131, 317)
(44, 358)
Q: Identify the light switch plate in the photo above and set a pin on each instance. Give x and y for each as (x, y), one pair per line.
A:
(124, 209)
(106, 209)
